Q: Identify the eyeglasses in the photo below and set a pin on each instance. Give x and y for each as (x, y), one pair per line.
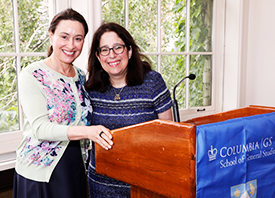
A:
(117, 49)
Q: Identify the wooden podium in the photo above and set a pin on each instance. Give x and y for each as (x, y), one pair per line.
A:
(157, 158)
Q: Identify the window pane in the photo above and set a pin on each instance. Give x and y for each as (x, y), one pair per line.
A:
(143, 23)
(173, 71)
(8, 95)
(201, 87)
(201, 25)
(6, 31)
(33, 20)
(173, 26)
(113, 11)
(154, 61)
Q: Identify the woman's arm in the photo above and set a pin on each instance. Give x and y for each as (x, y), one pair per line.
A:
(166, 115)
(92, 133)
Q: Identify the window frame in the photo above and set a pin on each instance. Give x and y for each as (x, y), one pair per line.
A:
(9, 141)
(217, 66)
(217, 58)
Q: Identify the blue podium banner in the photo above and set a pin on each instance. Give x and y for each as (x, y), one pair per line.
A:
(236, 158)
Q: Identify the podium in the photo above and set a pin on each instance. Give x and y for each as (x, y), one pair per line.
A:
(158, 158)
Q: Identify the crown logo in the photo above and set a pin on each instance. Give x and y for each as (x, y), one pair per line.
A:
(212, 153)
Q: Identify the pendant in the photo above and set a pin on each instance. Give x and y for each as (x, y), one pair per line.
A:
(117, 97)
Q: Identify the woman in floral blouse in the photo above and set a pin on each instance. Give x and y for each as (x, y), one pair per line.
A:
(57, 110)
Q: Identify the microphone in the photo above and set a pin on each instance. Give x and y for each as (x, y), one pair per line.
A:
(175, 103)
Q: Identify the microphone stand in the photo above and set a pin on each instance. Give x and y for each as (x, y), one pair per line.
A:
(175, 103)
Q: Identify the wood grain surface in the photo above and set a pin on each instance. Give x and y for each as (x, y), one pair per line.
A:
(157, 155)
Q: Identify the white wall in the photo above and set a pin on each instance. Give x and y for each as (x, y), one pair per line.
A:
(261, 53)
(232, 53)
(249, 53)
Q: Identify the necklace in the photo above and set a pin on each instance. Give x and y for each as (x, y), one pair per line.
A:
(117, 96)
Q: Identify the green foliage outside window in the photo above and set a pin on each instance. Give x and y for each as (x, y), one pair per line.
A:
(143, 27)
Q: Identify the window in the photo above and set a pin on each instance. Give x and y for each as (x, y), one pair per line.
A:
(24, 39)
(177, 35)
